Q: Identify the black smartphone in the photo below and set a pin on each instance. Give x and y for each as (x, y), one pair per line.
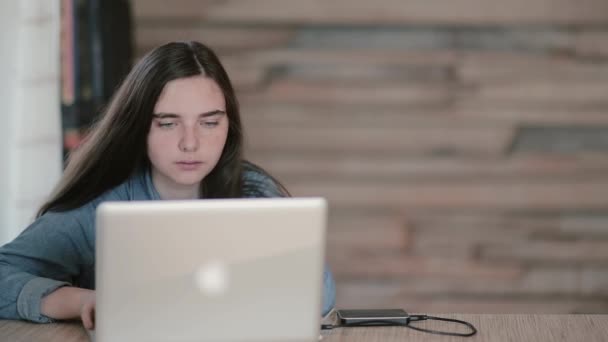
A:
(373, 317)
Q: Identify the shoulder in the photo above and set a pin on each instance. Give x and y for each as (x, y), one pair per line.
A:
(134, 188)
(85, 214)
(62, 219)
(259, 183)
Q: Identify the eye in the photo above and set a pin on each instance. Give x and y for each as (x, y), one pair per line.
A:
(166, 124)
(210, 124)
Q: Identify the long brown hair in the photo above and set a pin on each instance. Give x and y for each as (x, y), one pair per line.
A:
(116, 144)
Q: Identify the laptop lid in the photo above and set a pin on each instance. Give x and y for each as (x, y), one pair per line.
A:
(210, 270)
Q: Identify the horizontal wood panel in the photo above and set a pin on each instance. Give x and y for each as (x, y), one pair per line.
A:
(366, 234)
(290, 167)
(538, 92)
(564, 252)
(255, 51)
(290, 91)
(347, 57)
(257, 117)
(594, 280)
(590, 226)
(303, 92)
(346, 74)
(443, 56)
(506, 195)
(547, 113)
(349, 265)
(473, 237)
(481, 74)
(511, 283)
(218, 38)
(593, 44)
(260, 114)
(323, 140)
(382, 12)
(447, 220)
(447, 65)
(475, 70)
(352, 294)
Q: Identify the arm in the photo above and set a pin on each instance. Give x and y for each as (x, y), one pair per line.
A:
(329, 292)
(70, 303)
(47, 256)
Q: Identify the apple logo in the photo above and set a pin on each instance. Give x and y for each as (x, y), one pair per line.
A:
(211, 278)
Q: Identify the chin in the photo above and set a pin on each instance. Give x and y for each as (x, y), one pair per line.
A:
(188, 181)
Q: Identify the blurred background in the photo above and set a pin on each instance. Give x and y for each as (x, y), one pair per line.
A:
(463, 145)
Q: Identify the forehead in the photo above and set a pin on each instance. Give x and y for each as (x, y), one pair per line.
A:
(190, 95)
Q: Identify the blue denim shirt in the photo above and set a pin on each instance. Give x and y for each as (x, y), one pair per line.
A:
(58, 249)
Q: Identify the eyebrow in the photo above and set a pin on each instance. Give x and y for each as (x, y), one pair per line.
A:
(175, 116)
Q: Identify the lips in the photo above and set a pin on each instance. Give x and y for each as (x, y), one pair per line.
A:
(188, 164)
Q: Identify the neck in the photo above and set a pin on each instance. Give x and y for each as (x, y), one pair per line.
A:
(168, 190)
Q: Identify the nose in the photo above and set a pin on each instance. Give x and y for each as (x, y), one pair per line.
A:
(189, 141)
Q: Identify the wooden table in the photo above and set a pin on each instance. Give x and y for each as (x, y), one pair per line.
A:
(491, 328)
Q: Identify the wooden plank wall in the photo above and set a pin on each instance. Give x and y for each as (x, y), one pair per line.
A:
(463, 146)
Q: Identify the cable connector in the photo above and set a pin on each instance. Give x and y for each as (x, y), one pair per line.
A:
(415, 318)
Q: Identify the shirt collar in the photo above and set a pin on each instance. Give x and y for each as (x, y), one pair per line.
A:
(149, 185)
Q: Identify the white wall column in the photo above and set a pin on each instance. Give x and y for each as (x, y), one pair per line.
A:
(30, 133)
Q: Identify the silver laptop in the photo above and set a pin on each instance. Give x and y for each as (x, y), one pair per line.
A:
(210, 270)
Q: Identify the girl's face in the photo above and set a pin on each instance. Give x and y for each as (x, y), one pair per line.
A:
(187, 136)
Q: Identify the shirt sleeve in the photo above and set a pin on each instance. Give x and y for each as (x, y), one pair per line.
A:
(45, 256)
(329, 292)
